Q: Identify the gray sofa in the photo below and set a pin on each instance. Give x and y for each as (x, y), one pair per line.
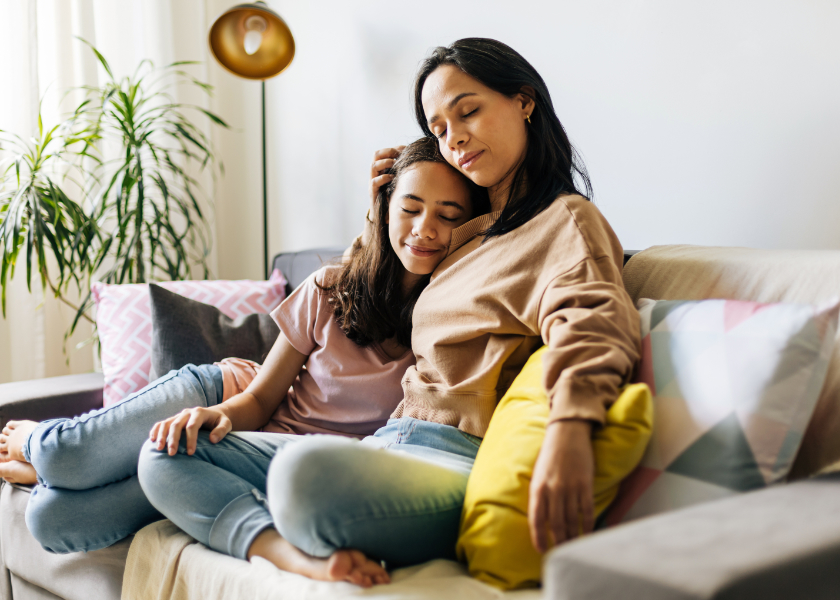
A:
(780, 542)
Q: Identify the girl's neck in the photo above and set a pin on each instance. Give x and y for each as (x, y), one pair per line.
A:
(408, 282)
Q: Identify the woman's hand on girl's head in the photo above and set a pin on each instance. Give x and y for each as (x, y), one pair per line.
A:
(382, 160)
(168, 432)
(561, 496)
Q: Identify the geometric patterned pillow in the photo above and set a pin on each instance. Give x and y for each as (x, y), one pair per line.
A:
(734, 385)
(124, 322)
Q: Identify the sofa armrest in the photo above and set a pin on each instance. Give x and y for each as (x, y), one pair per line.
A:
(780, 542)
(39, 399)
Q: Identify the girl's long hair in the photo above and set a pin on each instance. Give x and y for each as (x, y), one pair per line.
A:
(367, 297)
(551, 163)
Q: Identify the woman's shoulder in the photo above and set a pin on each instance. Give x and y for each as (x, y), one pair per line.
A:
(587, 222)
(577, 207)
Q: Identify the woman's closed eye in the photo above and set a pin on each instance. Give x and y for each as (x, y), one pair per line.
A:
(469, 114)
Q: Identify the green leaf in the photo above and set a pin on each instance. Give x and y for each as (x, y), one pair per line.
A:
(98, 56)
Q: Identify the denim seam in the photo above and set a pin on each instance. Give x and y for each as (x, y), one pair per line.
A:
(182, 450)
(469, 438)
(107, 409)
(112, 541)
(229, 531)
(403, 515)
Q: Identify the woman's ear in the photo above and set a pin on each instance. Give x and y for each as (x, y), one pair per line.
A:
(526, 99)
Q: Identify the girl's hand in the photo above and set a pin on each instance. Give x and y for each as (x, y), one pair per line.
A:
(561, 486)
(168, 432)
(382, 159)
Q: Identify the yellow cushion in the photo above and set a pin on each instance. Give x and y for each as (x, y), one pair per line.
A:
(494, 539)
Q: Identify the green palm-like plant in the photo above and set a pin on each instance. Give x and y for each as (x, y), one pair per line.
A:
(139, 218)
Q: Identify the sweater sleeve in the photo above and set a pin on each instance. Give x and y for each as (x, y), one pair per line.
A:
(592, 330)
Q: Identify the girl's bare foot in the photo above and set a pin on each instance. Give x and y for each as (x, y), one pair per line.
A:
(16, 471)
(13, 437)
(344, 565)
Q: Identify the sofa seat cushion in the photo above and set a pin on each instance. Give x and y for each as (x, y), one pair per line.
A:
(166, 564)
(766, 276)
(78, 576)
(773, 544)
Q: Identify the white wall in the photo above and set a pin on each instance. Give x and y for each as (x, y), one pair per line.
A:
(712, 122)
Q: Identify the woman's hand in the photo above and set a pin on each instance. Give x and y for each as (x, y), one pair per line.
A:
(561, 486)
(382, 159)
(168, 432)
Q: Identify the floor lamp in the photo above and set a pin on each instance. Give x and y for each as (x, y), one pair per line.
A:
(252, 41)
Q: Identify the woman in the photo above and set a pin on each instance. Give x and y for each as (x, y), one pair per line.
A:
(543, 268)
(89, 496)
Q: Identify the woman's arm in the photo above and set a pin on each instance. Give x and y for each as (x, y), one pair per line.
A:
(382, 160)
(592, 330)
(247, 411)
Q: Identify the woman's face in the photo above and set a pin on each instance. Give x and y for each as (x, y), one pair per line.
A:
(481, 132)
(428, 202)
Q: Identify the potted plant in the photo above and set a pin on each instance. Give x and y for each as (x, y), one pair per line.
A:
(134, 212)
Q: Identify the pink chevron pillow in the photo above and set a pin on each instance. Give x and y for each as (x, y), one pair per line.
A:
(124, 321)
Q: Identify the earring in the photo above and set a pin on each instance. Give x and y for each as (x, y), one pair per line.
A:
(528, 118)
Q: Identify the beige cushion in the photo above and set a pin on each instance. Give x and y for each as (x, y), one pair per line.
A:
(166, 564)
(79, 576)
(801, 276)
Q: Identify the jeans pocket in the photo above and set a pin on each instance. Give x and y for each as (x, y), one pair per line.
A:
(472, 439)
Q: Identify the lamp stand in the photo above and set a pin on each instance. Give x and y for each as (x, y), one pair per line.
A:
(265, 187)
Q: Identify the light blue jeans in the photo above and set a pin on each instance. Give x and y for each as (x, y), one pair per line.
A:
(396, 495)
(88, 495)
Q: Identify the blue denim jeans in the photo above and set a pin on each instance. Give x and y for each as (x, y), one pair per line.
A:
(88, 495)
(396, 495)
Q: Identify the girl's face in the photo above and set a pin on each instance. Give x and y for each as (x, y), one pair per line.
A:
(428, 202)
(481, 132)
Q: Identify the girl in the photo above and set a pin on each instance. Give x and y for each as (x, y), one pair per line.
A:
(348, 326)
(543, 268)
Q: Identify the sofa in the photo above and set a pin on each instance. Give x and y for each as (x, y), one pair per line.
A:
(779, 542)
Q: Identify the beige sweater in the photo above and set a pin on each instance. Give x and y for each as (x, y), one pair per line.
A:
(554, 280)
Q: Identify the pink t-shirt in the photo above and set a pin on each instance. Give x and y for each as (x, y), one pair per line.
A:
(343, 388)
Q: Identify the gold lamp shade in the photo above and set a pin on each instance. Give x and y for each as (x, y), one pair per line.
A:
(252, 41)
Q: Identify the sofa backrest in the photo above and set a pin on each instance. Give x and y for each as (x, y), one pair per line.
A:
(796, 276)
(297, 266)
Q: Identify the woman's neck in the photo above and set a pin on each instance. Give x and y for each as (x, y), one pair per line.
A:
(499, 194)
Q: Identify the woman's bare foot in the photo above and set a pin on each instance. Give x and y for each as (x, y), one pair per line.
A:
(344, 565)
(16, 471)
(13, 437)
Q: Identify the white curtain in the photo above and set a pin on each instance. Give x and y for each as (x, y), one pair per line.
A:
(42, 60)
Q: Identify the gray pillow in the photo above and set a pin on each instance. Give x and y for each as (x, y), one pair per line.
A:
(185, 331)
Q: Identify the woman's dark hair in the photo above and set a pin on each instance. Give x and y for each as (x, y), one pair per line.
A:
(367, 297)
(551, 163)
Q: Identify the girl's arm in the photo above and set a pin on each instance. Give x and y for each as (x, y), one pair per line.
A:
(247, 411)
